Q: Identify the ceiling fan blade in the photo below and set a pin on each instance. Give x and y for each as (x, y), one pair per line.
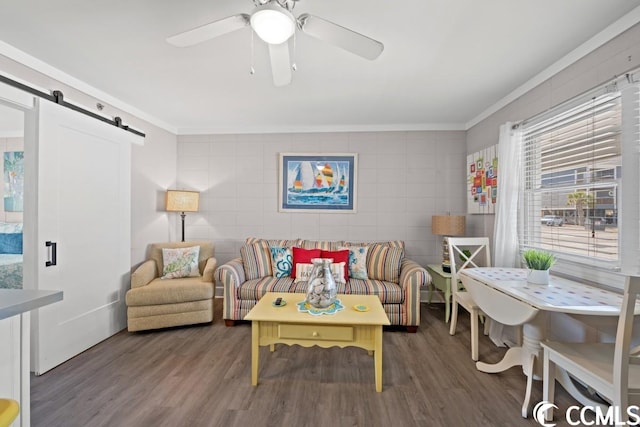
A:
(340, 36)
(280, 64)
(210, 31)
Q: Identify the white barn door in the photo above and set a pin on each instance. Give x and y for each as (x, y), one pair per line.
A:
(82, 234)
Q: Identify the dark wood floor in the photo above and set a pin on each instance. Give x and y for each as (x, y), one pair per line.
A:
(200, 376)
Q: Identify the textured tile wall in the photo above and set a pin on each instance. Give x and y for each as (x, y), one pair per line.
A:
(403, 179)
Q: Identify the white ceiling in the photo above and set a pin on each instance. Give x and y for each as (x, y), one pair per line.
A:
(444, 65)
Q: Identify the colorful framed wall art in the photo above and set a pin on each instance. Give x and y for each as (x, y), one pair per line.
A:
(317, 182)
(13, 181)
(482, 181)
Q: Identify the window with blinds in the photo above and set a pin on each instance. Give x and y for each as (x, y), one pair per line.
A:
(572, 170)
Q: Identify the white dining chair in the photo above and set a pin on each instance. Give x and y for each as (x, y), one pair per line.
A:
(479, 257)
(611, 369)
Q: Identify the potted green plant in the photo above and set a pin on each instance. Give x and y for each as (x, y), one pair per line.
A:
(539, 263)
(466, 253)
(464, 256)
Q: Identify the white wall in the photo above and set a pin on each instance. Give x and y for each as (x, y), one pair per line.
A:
(403, 179)
(153, 171)
(612, 59)
(153, 165)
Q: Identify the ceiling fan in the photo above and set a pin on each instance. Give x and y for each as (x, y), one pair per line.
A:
(274, 23)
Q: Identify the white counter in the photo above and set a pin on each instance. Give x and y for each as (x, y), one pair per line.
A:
(18, 301)
(15, 305)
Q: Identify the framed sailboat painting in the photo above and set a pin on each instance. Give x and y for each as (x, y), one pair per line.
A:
(317, 182)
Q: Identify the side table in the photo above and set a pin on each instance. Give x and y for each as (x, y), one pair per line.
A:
(442, 282)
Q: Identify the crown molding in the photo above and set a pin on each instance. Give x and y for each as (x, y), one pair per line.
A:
(323, 129)
(604, 36)
(35, 64)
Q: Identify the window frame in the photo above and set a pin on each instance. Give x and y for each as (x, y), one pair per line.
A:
(628, 203)
(559, 157)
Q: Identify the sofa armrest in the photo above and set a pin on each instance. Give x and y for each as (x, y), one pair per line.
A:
(144, 274)
(231, 274)
(412, 274)
(209, 269)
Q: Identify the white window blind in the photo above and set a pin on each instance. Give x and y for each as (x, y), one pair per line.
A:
(572, 172)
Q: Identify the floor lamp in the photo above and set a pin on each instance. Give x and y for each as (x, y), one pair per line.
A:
(447, 226)
(182, 201)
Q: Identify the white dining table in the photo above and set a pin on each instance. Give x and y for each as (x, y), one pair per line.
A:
(506, 297)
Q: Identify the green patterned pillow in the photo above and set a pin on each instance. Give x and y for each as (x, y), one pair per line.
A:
(180, 262)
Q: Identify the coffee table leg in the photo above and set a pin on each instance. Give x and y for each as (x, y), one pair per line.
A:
(377, 358)
(255, 351)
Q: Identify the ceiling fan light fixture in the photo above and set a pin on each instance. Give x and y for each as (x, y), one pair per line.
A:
(273, 24)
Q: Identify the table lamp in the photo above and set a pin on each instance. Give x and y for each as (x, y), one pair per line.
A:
(447, 225)
(182, 201)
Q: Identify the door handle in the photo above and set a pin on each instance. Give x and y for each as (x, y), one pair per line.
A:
(52, 253)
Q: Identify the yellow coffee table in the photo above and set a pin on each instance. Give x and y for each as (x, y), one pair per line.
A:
(346, 328)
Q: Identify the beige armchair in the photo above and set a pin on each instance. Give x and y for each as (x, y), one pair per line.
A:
(154, 303)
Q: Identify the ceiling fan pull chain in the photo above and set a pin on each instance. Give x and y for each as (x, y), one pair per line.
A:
(252, 70)
(294, 67)
(274, 23)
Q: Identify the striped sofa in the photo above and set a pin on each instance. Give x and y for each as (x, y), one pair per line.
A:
(395, 279)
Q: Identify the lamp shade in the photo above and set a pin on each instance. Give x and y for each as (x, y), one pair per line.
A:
(182, 201)
(448, 225)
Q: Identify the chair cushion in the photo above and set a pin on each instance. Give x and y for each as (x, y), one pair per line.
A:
(256, 259)
(160, 291)
(383, 262)
(253, 290)
(168, 309)
(389, 293)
